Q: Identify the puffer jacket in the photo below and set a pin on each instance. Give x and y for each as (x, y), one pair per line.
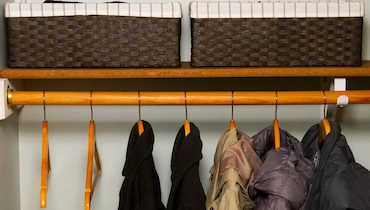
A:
(340, 183)
(235, 165)
(284, 178)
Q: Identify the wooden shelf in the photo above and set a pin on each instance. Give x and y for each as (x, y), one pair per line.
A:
(185, 71)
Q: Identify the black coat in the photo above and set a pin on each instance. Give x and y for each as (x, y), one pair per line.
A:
(141, 188)
(340, 183)
(186, 192)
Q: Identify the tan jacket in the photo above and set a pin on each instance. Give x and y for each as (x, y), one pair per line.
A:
(235, 164)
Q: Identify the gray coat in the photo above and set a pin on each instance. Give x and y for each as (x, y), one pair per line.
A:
(284, 179)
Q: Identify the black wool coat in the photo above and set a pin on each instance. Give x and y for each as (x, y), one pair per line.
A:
(340, 183)
(186, 192)
(141, 188)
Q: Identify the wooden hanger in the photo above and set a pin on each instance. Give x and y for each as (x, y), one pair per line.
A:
(232, 122)
(276, 127)
(45, 164)
(186, 122)
(324, 127)
(140, 125)
(91, 156)
(45, 160)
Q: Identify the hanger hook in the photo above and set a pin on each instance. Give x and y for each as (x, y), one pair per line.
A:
(139, 102)
(325, 107)
(232, 105)
(186, 106)
(43, 100)
(276, 104)
(91, 107)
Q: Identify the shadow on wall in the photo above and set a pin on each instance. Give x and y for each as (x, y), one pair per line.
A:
(215, 84)
(199, 84)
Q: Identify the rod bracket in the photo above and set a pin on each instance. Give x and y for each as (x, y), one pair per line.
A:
(340, 84)
(6, 89)
(337, 84)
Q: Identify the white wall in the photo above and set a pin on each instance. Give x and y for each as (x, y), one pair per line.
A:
(68, 132)
(9, 164)
(9, 144)
(68, 144)
(3, 49)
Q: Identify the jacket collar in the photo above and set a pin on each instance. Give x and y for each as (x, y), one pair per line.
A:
(187, 151)
(242, 158)
(228, 138)
(263, 142)
(310, 141)
(330, 140)
(138, 149)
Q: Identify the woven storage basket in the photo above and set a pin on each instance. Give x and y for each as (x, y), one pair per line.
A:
(94, 40)
(248, 36)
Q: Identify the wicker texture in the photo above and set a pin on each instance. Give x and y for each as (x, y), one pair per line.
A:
(277, 41)
(93, 41)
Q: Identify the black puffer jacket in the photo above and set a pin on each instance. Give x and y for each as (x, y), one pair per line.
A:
(284, 178)
(141, 188)
(340, 182)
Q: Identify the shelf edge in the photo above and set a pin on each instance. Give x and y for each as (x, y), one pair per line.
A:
(185, 71)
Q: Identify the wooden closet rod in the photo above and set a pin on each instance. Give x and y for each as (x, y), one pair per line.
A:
(192, 98)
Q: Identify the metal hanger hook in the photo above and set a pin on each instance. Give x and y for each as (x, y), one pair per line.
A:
(139, 102)
(91, 107)
(43, 100)
(276, 104)
(325, 107)
(232, 105)
(186, 106)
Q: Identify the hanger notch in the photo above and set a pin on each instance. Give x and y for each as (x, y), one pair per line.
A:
(232, 122)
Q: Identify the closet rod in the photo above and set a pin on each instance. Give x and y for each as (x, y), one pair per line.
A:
(192, 98)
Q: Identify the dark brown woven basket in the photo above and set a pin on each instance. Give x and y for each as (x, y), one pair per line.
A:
(93, 41)
(277, 41)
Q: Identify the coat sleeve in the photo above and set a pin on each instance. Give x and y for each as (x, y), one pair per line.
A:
(232, 194)
(229, 198)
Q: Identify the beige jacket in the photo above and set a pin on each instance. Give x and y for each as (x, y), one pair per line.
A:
(235, 164)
